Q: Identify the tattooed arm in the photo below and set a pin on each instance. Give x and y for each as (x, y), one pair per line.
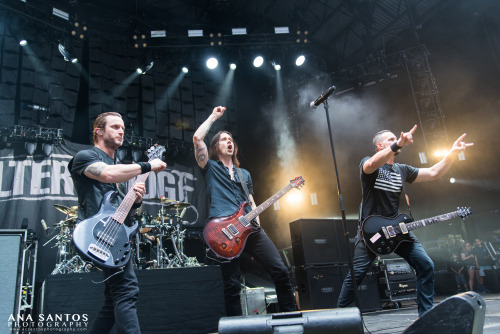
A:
(200, 148)
(105, 173)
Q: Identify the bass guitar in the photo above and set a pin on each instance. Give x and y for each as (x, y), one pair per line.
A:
(383, 235)
(103, 239)
(227, 236)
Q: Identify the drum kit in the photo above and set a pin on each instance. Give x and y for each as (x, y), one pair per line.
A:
(159, 242)
(67, 260)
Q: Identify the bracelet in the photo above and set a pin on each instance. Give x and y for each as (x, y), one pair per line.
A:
(395, 147)
(145, 167)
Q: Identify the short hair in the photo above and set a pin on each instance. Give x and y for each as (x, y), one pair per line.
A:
(377, 138)
(100, 122)
(213, 150)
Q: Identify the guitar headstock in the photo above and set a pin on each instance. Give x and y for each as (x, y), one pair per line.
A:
(463, 212)
(155, 152)
(297, 182)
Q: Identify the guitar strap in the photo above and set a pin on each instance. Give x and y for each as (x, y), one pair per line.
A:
(243, 182)
(398, 169)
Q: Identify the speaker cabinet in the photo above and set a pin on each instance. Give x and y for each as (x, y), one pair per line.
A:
(319, 287)
(463, 313)
(320, 241)
(11, 242)
(339, 321)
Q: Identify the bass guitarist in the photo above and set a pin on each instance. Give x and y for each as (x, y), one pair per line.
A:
(219, 165)
(381, 183)
(94, 172)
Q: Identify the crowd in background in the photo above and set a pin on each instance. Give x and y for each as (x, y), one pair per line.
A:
(470, 264)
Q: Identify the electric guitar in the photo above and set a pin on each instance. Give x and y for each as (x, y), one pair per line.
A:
(383, 235)
(103, 239)
(227, 236)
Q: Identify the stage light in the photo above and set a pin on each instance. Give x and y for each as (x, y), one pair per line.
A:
(440, 153)
(74, 60)
(47, 149)
(212, 63)
(185, 69)
(66, 54)
(461, 156)
(158, 33)
(258, 61)
(60, 13)
(452, 180)
(195, 33)
(136, 155)
(23, 42)
(239, 31)
(423, 157)
(300, 60)
(121, 154)
(281, 30)
(294, 197)
(277, 67)
(30, 147)
(144, 69)
(314, 199)
(232, 66)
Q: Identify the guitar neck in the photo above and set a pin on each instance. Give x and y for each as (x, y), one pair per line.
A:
(125, 206)
(258, 210)
(429, 221)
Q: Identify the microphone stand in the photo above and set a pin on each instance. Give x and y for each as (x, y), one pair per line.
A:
(342, 209)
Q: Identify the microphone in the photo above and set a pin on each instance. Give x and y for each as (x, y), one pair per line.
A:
(45, 227)
(322, 98)
(34, 107)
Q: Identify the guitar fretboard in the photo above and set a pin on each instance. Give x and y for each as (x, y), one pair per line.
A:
(125, 206)
(258, 210)
(430, 221)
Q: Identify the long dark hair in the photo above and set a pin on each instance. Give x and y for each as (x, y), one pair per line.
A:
(213, 150)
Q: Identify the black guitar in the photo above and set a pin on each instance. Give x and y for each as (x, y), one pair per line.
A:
(383, 235)
(103, 239)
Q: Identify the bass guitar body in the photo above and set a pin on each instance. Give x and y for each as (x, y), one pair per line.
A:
(102, 240)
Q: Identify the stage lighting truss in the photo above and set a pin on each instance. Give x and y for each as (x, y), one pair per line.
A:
(31, 136)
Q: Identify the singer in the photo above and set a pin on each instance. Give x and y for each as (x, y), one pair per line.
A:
(229, 186)
(381, 183)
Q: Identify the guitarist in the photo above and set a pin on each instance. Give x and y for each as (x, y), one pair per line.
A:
(218, 164)
(381, 183)
(94, 172)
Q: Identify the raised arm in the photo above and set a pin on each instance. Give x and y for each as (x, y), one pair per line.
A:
(386, 154)
(105, 173)
(440, 168)
(200, 148)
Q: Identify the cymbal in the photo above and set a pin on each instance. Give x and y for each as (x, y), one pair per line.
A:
(163, 199)
(67, 210)
(178, 205)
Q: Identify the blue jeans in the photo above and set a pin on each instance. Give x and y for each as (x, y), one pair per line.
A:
(263, 250)
(120, 298)
(412, 252)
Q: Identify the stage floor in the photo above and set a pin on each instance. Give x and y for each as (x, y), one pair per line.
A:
(397, 320)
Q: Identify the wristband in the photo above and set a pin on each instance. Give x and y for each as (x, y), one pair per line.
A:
(136, 205)
(145, 167)
(395, 147)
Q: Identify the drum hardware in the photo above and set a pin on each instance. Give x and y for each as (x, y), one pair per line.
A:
(67, 260)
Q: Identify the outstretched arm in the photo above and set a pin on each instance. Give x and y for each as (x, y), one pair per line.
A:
(386, 154)
(105, 173)
(440, 168)
(200, 148)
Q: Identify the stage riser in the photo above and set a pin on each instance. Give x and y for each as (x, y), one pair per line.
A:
(176, 300)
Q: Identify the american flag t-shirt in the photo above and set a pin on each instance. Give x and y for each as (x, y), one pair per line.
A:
(388, 181)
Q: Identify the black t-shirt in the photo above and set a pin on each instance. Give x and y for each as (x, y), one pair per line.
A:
(90, 192)
(483, 257)
(382, 189)
(225, 194)
(456, 264)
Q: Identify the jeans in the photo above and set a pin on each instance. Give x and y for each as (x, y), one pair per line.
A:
(120, 298)
(263, 250)
(412, 252)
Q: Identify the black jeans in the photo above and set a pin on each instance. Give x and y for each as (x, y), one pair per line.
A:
(120, 298)
(263, 250)
(412, 252)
